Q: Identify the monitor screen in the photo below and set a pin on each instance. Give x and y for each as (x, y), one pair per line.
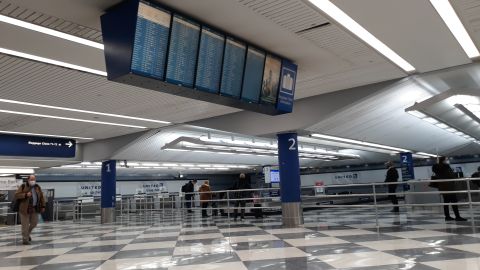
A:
(252, 80)
(182, 55)
(275, 176)
(209, 66)
(151, 40)
(271, 79)
(233, 64)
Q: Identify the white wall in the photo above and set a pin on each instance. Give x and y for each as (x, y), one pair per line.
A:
(72, 189)
(376, 175)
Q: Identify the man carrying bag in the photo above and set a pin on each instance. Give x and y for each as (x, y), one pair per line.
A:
(31, 203)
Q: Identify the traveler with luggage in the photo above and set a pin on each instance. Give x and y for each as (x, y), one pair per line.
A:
(31, 203)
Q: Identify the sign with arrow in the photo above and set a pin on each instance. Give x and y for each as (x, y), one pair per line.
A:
(33, 146)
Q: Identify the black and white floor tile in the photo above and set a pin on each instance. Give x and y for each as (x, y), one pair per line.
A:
(330, 239)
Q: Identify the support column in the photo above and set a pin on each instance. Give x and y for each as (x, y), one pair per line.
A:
(292, 213)
(109, 173)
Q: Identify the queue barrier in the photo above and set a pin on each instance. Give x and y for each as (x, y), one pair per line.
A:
(226, 200)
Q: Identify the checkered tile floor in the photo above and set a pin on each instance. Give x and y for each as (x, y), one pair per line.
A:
(330, 239)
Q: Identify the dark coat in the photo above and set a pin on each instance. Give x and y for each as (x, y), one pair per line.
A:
(21, 195)
(444, 171)
(189, 188)
(240, 185)
(205, 193)
(392, 175)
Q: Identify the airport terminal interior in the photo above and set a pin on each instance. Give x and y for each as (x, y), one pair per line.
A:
(240, 134)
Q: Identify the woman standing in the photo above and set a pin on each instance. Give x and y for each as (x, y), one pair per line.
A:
(205, 196)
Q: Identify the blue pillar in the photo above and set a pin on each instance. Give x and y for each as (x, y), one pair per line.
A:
(109, 173)
(289, 179)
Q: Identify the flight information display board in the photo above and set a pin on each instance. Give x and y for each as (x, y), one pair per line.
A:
(209, 66)
(151, 40)
(152, 46)
(182, 53)
(233, 64)
(271, 79)
(253, 75)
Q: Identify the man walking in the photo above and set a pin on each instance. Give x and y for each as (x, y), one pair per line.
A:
(205, 197)
(31, 203)
(392, 177)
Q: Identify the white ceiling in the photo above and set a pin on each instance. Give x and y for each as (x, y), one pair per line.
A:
(329, 59)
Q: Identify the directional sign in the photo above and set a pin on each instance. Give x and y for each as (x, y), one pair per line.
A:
(32, 146)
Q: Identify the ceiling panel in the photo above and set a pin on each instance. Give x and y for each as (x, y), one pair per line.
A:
(469, 13)
(411, 28)
(34, 82)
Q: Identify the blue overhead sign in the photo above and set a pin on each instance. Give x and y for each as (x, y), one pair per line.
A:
(288, 77)
(32, 146)
(406, 160)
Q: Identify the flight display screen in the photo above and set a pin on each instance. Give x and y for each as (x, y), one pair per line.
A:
(209, 66)
(182, 53)
(151, 41)
(253, 75)
(233, 65)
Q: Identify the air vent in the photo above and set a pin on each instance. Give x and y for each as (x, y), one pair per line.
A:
(313, 28)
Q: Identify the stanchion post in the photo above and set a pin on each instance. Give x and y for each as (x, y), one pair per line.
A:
(472, 216)
(375, 203)
(228, 206)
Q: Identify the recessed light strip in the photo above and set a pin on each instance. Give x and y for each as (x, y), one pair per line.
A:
(82, 111)
(442, 125)
(44, 135)
(361, 143)
(51, 61)
(451, 19)
(71, 119)
(51, 32)
(346, 21)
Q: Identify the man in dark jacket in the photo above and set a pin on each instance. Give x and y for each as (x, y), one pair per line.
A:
(242, 184)
(189, 194)
(476, 175)
(31, 203)
(392, 177)
(442, 170)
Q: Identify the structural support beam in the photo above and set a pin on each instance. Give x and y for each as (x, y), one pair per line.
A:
(108, 192)
(289, 179)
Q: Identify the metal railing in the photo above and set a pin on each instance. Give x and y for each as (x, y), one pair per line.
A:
(369, 195)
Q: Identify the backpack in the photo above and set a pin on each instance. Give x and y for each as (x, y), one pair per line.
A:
(14, 204)
(184, 188)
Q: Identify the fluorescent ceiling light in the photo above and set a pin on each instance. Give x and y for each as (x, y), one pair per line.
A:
(81, 111)
(342, 18)
(417, 114)
(44, 135)
(375, 145)
(50, 32)
(51, 61)
(72, 119)
(451, 19)
(17, 170)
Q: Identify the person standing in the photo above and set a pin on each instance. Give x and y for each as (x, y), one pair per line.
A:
(242, 184)
(392, 177)
(442, 171)
(31, 203)
(476, 175)
(189, 194)
(205, 196)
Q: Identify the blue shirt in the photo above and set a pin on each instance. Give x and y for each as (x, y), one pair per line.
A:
(34, 196)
